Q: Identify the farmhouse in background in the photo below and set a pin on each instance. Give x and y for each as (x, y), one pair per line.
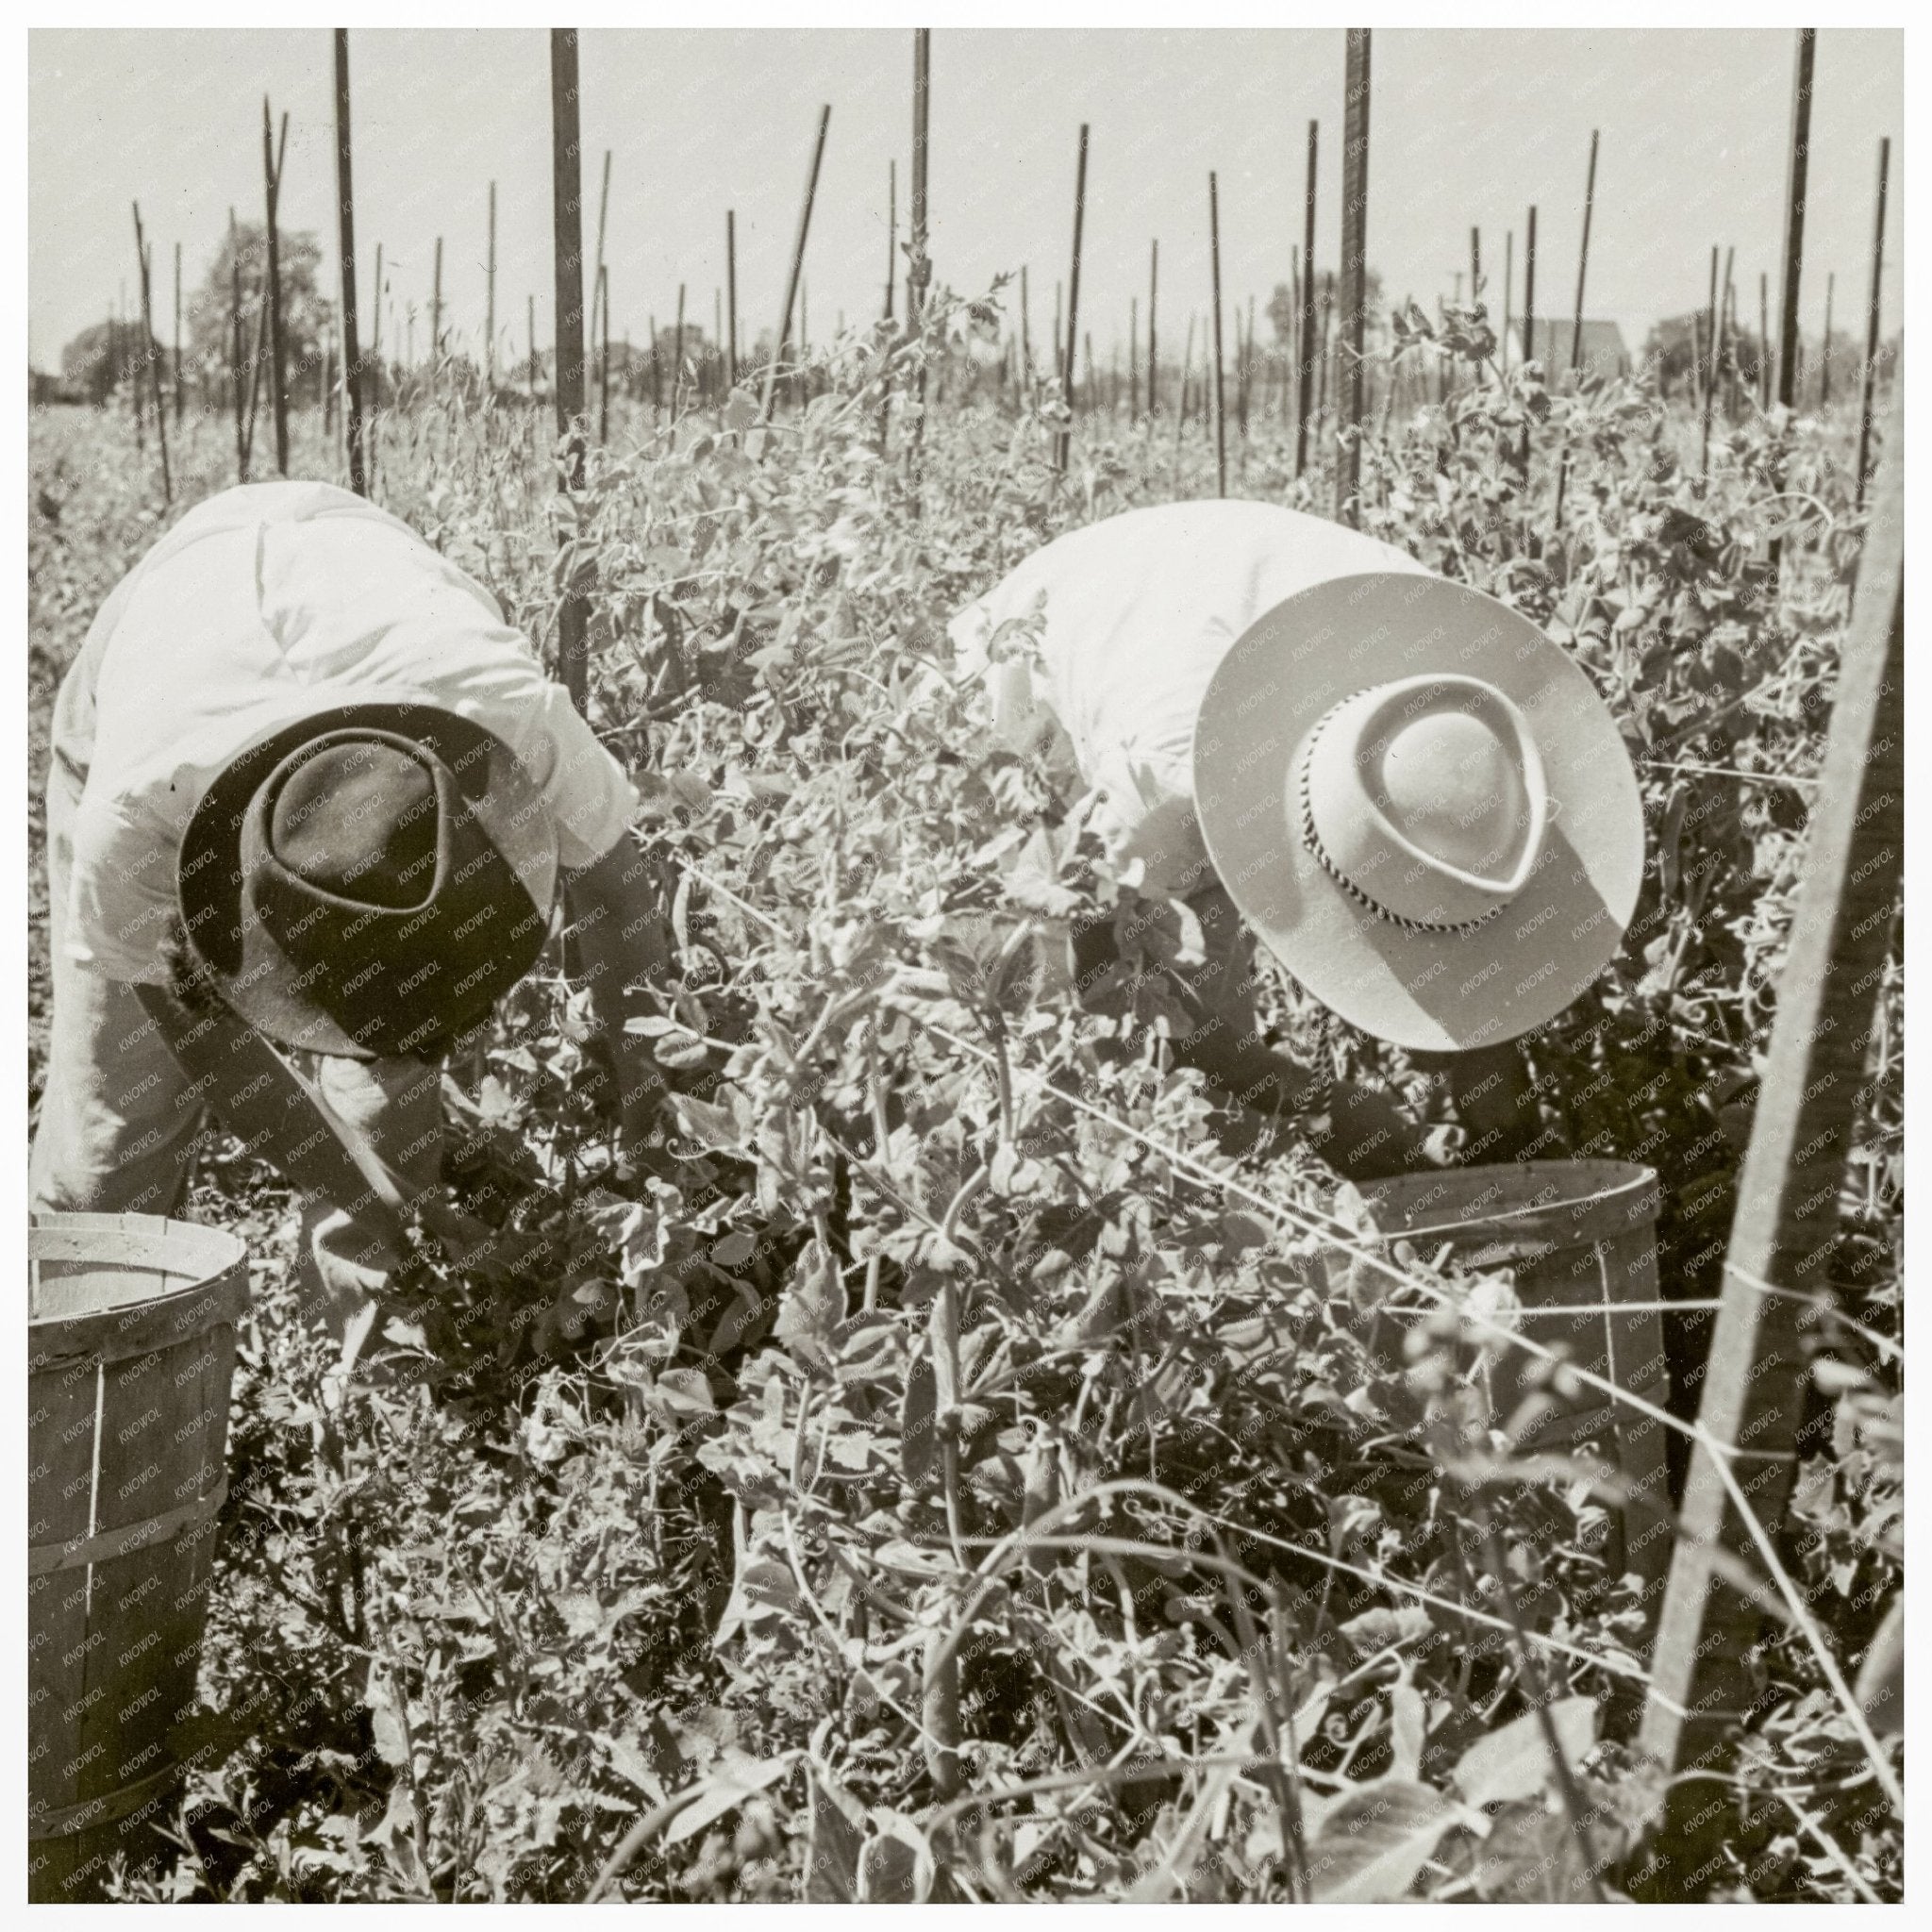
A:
(1603, 356)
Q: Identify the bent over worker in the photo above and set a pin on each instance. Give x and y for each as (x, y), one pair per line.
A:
(309, 789)
(1413, 797)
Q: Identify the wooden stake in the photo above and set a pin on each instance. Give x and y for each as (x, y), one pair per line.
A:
(278, 393)
(678, 354)
(1825, 361)
(490, 302)
(892, 233)
(566, 197)
(1508, 283)
(376, 365)
(154, 367)
(731, 294)
(918, 268)
(1355, 217)
(1727, 330)
(811, 184)
(1304, 321)
(597, 273)
(236, 351)
(1796, 168)
(181, 405)
(1133, 359)
(1153, 349)
(1576, 329)
(604, 357)
(345, 238)
(1220, 394)
(436, 316)
(1758, 1375)
(530, 332)
(1763, 341)
(1870, 375)
(1061, 445)
(1710, 372)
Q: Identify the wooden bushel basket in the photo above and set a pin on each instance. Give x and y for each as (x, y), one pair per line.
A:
(131, 1345)
(1580, 1237)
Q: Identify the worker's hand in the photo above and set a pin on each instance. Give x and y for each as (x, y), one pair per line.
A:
(1369, 1138)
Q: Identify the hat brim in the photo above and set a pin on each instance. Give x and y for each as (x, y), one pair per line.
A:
(248, 968)
(1426, 991)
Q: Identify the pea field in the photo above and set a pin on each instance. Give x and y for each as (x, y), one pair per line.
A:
(950, 1476)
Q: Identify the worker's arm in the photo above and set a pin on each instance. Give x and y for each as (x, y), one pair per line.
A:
(622, 939)
(236, 1074)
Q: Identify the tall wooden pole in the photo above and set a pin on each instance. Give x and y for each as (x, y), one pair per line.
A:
(919, 269)
(1870, 376)
(598, 272)
(436, 316)
(376, 366)
(1763, 341)
(278, 388)
(1796, 168)
(180, 404)
(678, 354)
(891, 232)
(1072, 335)
(1528, 326)
(1577, 328)
(1133, 359)
(346, 233)
(811, 187)
(1727, 329)
(1354, 218)
(1304, 325)
(490, 302)
(1704, 1682)
(1508, 287)
(1710, 367)
(154, 367)
(603, 355)
(1220, 393)
(1825, 361)
(566, 212)
(236, 352)
(530, 336)
(731, 294)
(1153, 345)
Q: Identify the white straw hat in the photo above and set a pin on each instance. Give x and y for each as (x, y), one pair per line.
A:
(1422, 808)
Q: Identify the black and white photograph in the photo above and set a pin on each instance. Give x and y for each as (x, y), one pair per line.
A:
(965, 963)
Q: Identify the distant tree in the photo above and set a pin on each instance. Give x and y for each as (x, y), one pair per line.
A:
(305, 309)
(1281, 310)
(104, 356)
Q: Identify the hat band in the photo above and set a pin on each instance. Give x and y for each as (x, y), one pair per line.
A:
(1311, 839)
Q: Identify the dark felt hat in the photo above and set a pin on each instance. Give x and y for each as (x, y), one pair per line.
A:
(369, 881)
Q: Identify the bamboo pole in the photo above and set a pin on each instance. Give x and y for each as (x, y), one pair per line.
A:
(792, 280)
(145, 256)
(1870, 375)
(345, 238)
(731, 294)
(1064, 441)
(1220, 394)
(278, 394)
(490, 302)
(1758, 1373)
(1304, 320)
(1354, 218)
(567, 221)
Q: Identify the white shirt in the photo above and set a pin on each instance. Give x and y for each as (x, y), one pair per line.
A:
(1138, 611)
(264, 605)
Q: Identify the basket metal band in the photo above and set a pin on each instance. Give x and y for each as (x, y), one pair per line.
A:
(109, 1808)
(106, 1544)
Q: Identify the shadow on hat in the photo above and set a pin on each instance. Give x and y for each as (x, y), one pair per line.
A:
(1422, 808)
(370, 881)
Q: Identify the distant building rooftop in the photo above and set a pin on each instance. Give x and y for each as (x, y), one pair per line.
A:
(1603, 353)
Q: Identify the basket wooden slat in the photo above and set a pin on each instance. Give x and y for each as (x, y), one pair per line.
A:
(131, 1348)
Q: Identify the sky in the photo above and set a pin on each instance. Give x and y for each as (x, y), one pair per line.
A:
(1467, 128)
